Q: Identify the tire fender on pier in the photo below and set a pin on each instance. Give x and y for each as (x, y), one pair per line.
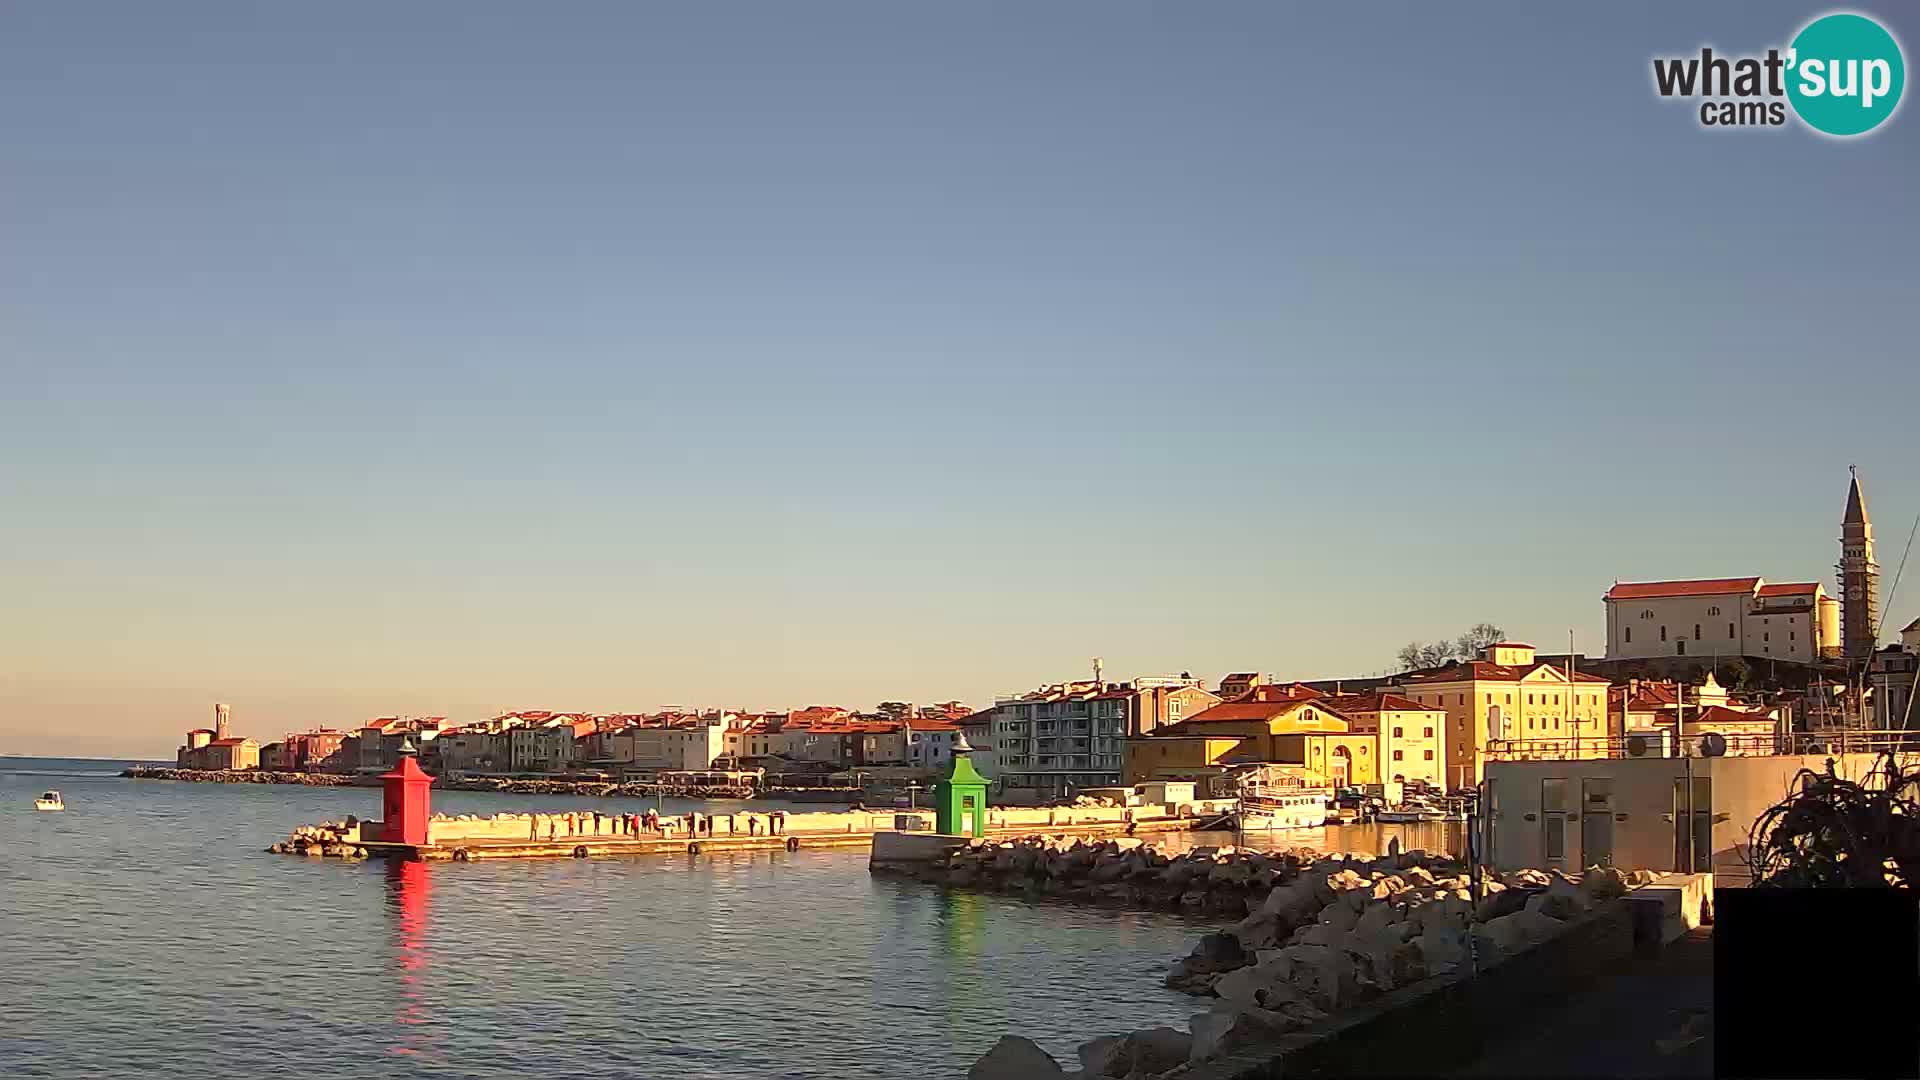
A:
(793, 843)
(580, 852)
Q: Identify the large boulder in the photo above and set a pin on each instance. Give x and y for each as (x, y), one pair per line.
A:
(1141, 1053)
(1215, 954)
(1604, 883)
(1442, 950)
(1509, 934)
(1015, 1058)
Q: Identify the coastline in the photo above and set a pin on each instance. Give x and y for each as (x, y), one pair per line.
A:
(501, 785)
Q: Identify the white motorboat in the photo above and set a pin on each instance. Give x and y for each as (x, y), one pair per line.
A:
(49, 800)
(1271, 797)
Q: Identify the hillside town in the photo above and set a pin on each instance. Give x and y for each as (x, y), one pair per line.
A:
(1734, 666)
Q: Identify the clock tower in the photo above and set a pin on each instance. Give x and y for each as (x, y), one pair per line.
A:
(1859, 577)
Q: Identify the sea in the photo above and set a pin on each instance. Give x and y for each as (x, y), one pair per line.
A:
(145, 930)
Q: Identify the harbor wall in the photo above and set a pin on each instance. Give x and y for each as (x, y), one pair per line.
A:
(448, 829)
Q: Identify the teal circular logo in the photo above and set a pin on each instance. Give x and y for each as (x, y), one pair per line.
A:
(1845, 74)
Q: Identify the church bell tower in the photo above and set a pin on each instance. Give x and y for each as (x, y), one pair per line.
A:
(1859, 577)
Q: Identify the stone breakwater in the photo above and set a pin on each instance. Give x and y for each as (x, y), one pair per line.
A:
(504, 785)
(237, 776)
(1319, 934)
(331, 840)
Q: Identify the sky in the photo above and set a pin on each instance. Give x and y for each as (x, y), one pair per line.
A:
(440, 358)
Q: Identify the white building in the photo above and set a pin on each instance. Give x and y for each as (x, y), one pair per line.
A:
(1722, 617)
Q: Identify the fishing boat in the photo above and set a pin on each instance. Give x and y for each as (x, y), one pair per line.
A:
(1279, 797)
(1408, 816)
(49, 800)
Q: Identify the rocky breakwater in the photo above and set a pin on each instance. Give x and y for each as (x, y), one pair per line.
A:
(593, 788)
(1122, 871)
(333, 840)
(236, 776)
(1321, 934)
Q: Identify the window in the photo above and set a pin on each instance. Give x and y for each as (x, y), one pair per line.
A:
(1647, 613)
(1397, 755)
(1529, 699)
(1429, 755)
(1629, 634)
(1429, 733)
(1729, 631)
(1663, 633)
(1696, 631)
(1397, 732)
(1766, 637)
(1713, 611)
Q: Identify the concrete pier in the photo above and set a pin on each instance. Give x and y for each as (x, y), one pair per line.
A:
(351, 841)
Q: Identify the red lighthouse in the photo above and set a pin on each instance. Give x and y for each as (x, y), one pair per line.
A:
(406, 801)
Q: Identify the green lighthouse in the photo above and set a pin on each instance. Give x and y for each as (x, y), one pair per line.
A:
(960, 801)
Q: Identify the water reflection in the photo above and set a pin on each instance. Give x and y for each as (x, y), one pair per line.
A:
(408, 886)
(962, 920)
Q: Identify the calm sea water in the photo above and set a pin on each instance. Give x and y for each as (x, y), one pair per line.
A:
(146, 931)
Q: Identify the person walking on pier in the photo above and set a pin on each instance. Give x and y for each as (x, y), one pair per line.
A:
(596, 823)
(551, 826)
(778, 822)
(533, 828)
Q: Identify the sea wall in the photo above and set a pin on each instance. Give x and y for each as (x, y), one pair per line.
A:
(236, 776)
(1325, 942)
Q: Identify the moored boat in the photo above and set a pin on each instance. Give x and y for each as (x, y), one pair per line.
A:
(1280, 797)
(49, 800)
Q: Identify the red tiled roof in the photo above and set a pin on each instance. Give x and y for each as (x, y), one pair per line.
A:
(1244, 709)
(1281, 692)
(1376, 702)
(1482, 671)
(1795, 589)
(1647, 590)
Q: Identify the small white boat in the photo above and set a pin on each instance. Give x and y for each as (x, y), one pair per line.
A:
(1407, 817)
(1272, 797)
(49, 800)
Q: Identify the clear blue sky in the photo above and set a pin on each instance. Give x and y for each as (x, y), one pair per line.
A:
(439, 357)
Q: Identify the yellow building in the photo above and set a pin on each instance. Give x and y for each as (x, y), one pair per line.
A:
(1299, 731)
(1411, 738)
(1514, 705)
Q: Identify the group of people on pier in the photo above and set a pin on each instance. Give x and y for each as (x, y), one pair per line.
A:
(595, 823)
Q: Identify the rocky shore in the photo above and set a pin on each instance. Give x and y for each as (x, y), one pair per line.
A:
(1316, 934)
(504, 785)
(236, 776)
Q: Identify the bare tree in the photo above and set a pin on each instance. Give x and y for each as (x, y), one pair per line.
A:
(1476, 639)
(1419, 655)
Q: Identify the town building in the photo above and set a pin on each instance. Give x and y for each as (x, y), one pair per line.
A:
(1859, 577)
(684, 745)
(221, 754)
(466, 749)
(216, 747)
(1662, 717)
(1068, 736)
(1411, 738)
(1890, 683)
(1511, 700)
(1727, 617)
(1293, 731)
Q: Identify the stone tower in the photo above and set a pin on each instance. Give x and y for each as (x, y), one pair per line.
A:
(1859, 577)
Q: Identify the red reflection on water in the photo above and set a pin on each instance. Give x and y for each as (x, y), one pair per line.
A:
(408, 885)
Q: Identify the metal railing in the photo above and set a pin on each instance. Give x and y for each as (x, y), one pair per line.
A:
(1702, 744)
